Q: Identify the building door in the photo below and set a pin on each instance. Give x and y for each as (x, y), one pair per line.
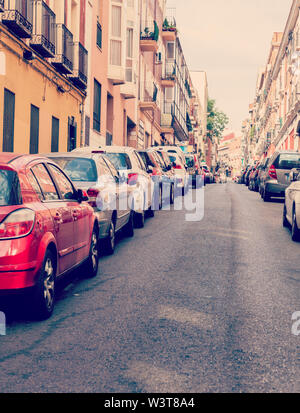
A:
(72, 134)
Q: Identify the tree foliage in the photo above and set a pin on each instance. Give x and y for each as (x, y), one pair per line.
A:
(216, 120)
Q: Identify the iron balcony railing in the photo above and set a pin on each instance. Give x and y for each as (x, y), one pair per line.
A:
(64, 56)
(43, 38)
(80, 66)
(18, 16)
(170, 71)
(149, 31)
(1, 5)
(148, 92)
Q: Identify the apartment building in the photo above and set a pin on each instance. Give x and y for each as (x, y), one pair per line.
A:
(43, 74)
(111, 106)
(274, 122)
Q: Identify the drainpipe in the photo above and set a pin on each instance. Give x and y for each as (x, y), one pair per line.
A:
(81, 106)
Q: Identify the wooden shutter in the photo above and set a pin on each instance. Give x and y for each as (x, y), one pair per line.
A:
(8, 121)
(34, 129)
(55, 135)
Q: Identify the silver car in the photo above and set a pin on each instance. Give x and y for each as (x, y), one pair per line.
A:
(276, 177)
(95, 174)
(291, 209)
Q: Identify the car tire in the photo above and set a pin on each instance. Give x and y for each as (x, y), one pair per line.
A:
(160, 199)
(172, 194)
(266, 196)
(109, 242)
(92, 263)
(42, 302)
(151, 212)
(295, 229)
(128, 229)
(285, 222)
(139, 219)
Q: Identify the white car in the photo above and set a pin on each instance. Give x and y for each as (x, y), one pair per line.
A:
(172, 150)
(131, 169)
(180, 171)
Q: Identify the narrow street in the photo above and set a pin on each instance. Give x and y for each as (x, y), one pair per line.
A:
(182, 307)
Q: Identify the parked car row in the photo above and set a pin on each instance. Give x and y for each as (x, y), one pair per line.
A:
(278, 177)
(59, 211)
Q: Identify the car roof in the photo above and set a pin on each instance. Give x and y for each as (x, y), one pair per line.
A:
(114, 149)
(19, 161)
(87, 155)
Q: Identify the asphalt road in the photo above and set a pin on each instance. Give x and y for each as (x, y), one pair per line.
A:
(182, 307)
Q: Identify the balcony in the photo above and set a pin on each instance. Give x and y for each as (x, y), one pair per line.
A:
(17, 16)
(63, 60)
(80, 66)
(149, 37)
(43, 38)
(166, 122)
(1, 5)
(169, 76)
(169, 30)
(148, 97)
(129, 89)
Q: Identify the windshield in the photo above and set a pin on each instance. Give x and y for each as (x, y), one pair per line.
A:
(78, 169)
(10, 192)
(288, 161)
(121, 161)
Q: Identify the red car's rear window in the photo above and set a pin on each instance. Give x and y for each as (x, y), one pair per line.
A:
(10, 192)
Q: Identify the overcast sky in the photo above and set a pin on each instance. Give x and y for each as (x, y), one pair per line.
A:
(230, 40)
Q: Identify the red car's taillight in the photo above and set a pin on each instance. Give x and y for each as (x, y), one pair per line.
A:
(132, 179)
(177, 167)
(92, 194)
(272, 172)
(17, 224)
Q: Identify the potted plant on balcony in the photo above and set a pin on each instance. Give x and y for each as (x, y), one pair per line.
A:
(167, 26)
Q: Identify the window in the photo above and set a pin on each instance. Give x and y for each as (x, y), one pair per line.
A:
(113, 170)
(170, 50)
(105, 172)
(55, 135)
(78, 169)
(99, 35)
(97, 106)
(10, 193)
(64, 185)
(287, 161)
(34, 129)
(8, 121)
(35, 185)
(116, 35)
(42, 176)
(121, 161)
(129, 55)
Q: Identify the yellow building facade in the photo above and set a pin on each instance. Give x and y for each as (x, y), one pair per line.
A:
(40, 108)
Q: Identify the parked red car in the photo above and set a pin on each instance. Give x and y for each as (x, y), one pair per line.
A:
(46, 229)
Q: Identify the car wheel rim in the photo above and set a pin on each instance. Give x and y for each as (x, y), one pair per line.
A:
(94, 251)
(48, 283)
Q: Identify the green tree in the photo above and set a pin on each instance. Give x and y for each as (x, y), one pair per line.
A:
(216, 120)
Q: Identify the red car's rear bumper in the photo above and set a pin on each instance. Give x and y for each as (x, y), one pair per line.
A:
(16, 280)
(18, 263)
